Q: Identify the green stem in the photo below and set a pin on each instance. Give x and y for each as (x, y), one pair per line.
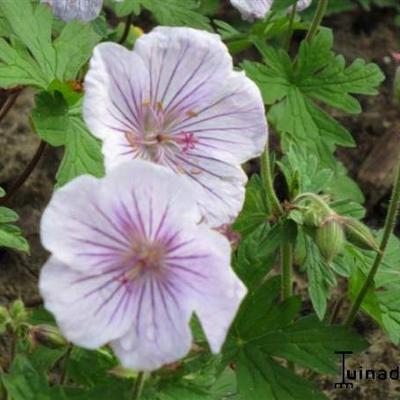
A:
(64, 363)
(286, 278)
(127, 29)
(138, 386)
(319, 15)
(286, 270)
(266, 175)
(290, 28)
(390, 223)
(25, 173)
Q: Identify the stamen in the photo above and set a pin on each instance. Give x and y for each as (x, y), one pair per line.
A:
(188, 140)
(192, 114)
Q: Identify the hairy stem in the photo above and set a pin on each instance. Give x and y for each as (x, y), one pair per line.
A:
(286, 269)
(64, 363)
(128, 24)
(390, 223)
(314, 197)
(286, 278)
(290, 28)
(25, 174)
(266, 175)
(138, 386)
(319, 15)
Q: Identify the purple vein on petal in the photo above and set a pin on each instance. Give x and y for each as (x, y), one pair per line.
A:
(172, 77)
(117, 229)
(179, 246)
(138, 214)
(143, 288)
(184, 85)
(173, 266)
(161, 291)
(162, 222)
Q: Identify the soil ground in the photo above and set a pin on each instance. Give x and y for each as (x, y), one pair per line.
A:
(372, 36)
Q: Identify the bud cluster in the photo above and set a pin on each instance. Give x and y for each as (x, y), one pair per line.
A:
(330, 230)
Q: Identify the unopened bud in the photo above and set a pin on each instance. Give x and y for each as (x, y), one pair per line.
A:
(48, 336)
(18, 312)
(330, 237)
(316, 211)
(313, 217)
(359, 234)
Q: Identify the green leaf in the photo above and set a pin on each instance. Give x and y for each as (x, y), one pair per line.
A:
(258, 375)
(73, 48)
(182, 393)
(25, 382)
(106, 390)
(61, 125)
(255, 212)
(11, 235)
(30, 57)
(381, 302)
(320, 277)
(264, 329)
(7, 215)
(294, 88)
(304, 173)
(225, 387)
(311, 344)
(172, 13)
(126, 7)
(262, 378)
(256, 254)
(32, 25)
(90, 368)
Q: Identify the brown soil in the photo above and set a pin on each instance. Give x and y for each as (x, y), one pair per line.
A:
(370, 36)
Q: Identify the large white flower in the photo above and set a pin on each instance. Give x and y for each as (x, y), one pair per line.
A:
(130, 263)
(175, 100)
(258, 9)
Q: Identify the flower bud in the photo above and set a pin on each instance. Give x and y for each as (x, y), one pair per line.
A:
(312, 217)
(48, 336)
(359, 234)
(330, 237)
(18, 312)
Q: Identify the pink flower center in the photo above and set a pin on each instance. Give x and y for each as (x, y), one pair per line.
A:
(157, 137)
(144, 257)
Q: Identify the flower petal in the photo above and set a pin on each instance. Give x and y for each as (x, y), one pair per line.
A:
(83, 237)
(185, 65)
(160, 334)
(219, 185)
(231, 123)
(97, 234)
(115, 88)
(251, 9)
(90, 310)
(84, 10)
(207, 278)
